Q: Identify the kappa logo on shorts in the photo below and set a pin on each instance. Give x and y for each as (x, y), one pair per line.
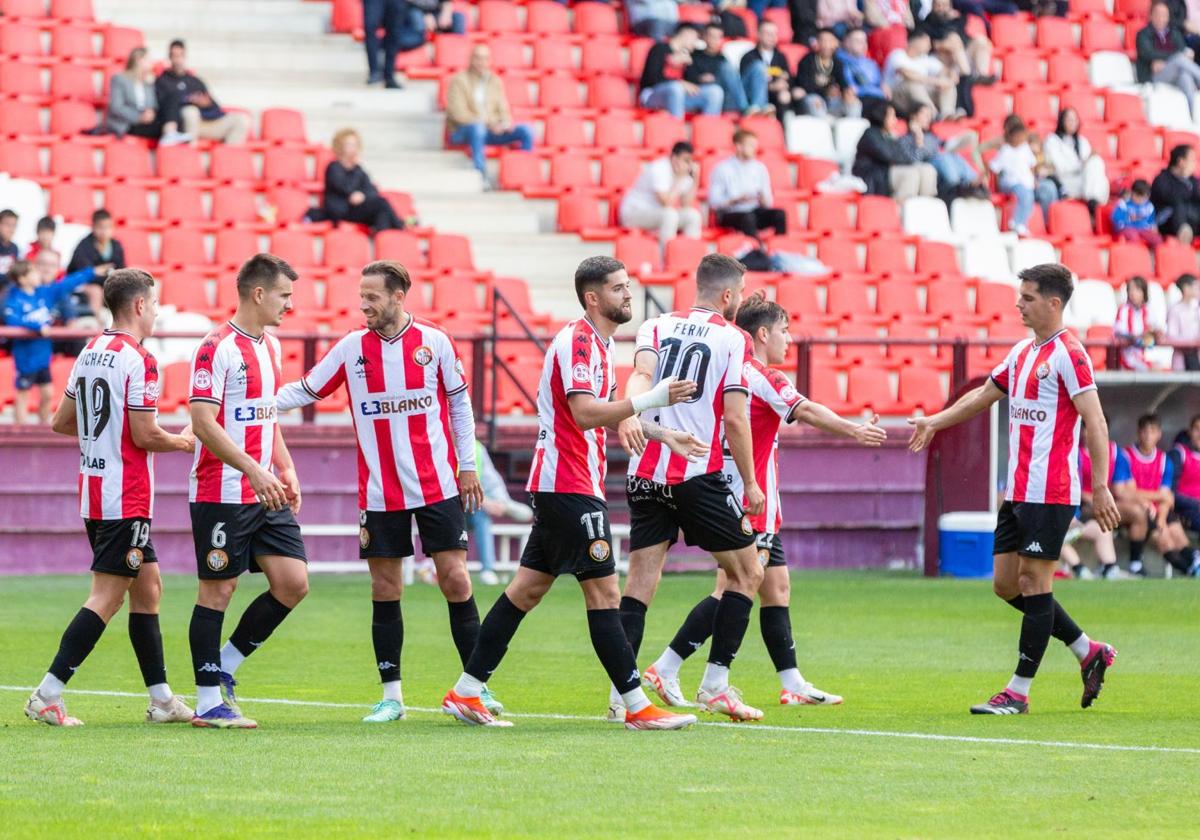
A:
(217, 560)
(364, 538)
(1034, 546)
(202, 380)
(423, 355)
(134, 559)
(599, 550)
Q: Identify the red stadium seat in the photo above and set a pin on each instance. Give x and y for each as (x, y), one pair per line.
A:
(294, 246)
(609, 92)
(76, 161)
(1100, 34)
(639, 253)
(1035, 107)
(869, 388)
(498, 16)
(284, 165)
(812, 171)
(595, 19)
(878, 214)
(1010, 32)
(450, 252)
(451, 294)
(186, 292)
(546, 17)
(400, 245)
(290, 203)
(183, 247)
(1019, 70)
(1070, 219)
(570, 170)
(841, 255)
(1173, 258)
(848, 299)
(995, 300)
(661, 131)
(231, 164)
(508, 54)
(235, 246)
(616, 130)
(602, 55)
(75, 43)
(920, 388)
(181, 163)
(23, 8)
(898, 300)
(948, 300)
(558, 93)
(176, 386)
(72, 10)
(129, 160)
(1081, 97)
(1067, 68)
(565, 132)
(799, 297)
(21, 40)
(520, 170)
(552, 54)
(516, 292)
(683, 254)
(119, 41)
(136, 243)
(1083, 258)
(900, 356)
(1137, 143)
(829, 212)
(347, 247)
(712, 134)
(234, 205)
(1123, 108)
(73, 81)
(182, 205)
(21, 78)
(283, 125)
(21, 119)
(72, 201)
(1126, 259)
(886, 256)
(68, 119)
(824, 389)
(1055, 33)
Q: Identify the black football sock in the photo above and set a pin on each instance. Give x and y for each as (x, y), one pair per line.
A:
(258, 622)
(77, 642)
(613, 650)
(696, 628)
(1177, 559)
(387, 634)
(497, 630)
(1036, 627)
(776, 624)
(204, 636)
(1136, 547)
(1065, 628)
(729, 628)
(464, 626)
(146, 639)
(633, 620)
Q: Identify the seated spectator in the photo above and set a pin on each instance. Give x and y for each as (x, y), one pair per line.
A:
(8, 249)
(883, 163)
(1185, 469)
(957, 178)
(740, 190)
(1079, 171)
(350, 196)
(1163, 56)
(1133, 217)
(662, 86)
(1152, 479)
(840, 16)
(983, 9)
(1017, 173)
(1175, 194)
(477, 111)
(663, 197)
(889, 22)
(917, 78)
(1133, 327)
(1183, 324)
(30, 303)
(188, 111)
(1186, 17)
(496, 502)
(971, 56)
(98, 248)
(818, 84)
(45, 231)
(655, 19)
(710, 67)
(766, 77)
(862, 76)
(132, 103)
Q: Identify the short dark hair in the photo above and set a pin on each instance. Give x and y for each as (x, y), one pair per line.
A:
(1184, 280)
(1140, 187)
(1178, 153)
(46, 223)
(1140, 281)
(395, 276)
(7, 214)
(683, 147)
(717, 272)
(125, 285)
(919, 32)
(757, 312)
(1051, 279)
(101, 215)
(682, 26)
(591, 274)
(262, 271)
(875, 110)
(19, 269)
(1150, 419)
(178, 42)
(715, 23)
(825, 30)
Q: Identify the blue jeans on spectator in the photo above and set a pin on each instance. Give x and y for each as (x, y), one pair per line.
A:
(731, 83)
(477, 136)
(485, 545)
(1044, 192)
(672, 98)
(754, 85)
(390, 15)
(760, 6)
(953, 170)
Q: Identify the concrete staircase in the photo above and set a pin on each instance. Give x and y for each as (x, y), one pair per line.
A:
(279, 54)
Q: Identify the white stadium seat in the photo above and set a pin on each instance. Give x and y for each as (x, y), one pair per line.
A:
(987, 257)
(1167, 106)
(1092, 304)
(26, 199)
(734, 50)
(971, 217)
(1029, 252)
(927, 217)
(810, 136)
(1110, 69)
(847, 131)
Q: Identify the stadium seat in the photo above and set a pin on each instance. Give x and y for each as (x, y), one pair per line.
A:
(448, 252)
(128, 161)
(995, 300)
(878, 214)
(971, 218)
(869, 388)
(811, 137)
(283, 165)
(1110, 69)
(400, 245)
(1031, 252)
(584, 215)
(1010, 33)
(571, 170)
(987, 258)
(847, 131)
(920, 388)
(186, 292)
(1070, 219)
(798, 295)
(1083, 258)
(1092, 303)
(928, 218)
(345, 245)
(898, 300)
(948, 300)
(235, 205)
(176, 386)
(824, 388)
(1168, 106)
(183, 205)
(72, 201)
(546, 17)
(683, 254)
(21, 78)
(21, 119)
(595, 19)
(605, 55)
(76, 161)
(69, 119)
(136, 243)
(936, 259)
(23, 8)
(73, 81)
(559, 92)
(618, 173)
(498, 16)
(119, 41)
(553, 55)
(829, 212)
(609, 93)
(183, 248)
(1100, 35)
(1126, 259)
(234, 246)
(77, 10)
(232, 165)
(1173, 258)
(1055, 33)
(181, 163)
(660, 131)
(919, 354)
(1067, 68)
(616, 131)
(841, 255)
(520, 171)
(76, 44)
(294, 246)
(640, 253)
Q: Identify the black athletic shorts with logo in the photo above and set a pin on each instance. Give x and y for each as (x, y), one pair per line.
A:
(770, 550)
(229, 537)
(120, 546)
(1032, 529)
(704, 508)
(570, 536)
(388, 533)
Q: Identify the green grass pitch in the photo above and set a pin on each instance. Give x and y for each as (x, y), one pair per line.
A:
(910, 655)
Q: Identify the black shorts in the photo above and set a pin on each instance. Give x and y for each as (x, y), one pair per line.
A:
(1188, 511)
(229, 537)
(25, 381)
(704, 508)
(770, 550)
(1032, 529)
(570, 536)
(120, 546)
(388, 533)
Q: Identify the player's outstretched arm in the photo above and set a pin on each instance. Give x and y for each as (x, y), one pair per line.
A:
(679, 442)
(65, 422)
(629, 430)
(269, 489)
(148, 435)
(967, 406)
(590, 412)
(737, 435)
(820, 417)
(1104, 506)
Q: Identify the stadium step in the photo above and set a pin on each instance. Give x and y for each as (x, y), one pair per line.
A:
(194, 19)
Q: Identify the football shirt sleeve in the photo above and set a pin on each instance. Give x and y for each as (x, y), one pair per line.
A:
(208, 373)
(141, 389)
(581, 363)
(737, 350)
(450, 366)
(325, 377)
(1074, 367)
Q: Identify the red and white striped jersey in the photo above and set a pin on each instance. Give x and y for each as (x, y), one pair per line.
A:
(702, 347)
(412, 415)
(239, 373)
(568, 459)
(1043, 425)
(1132, 323)
(112, 376)
(773, 398)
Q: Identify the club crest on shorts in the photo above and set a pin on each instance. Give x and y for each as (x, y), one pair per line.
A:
(599, 550)
(746, 529)
(764, 556)
(364, 537)
(1043, 370)
(202, 380)
(133, 559)
(423, 355)
(217, 560)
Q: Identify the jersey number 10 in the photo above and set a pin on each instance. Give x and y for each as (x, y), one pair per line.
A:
(685, 363)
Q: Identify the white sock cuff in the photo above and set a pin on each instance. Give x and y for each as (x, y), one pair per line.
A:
(468, 686)
(635, 700)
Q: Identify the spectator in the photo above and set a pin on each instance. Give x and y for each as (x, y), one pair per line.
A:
(766, 77)
(1185, 469)
(818, 84)
(803, 14)
(889, 22)
(349, 194)
(710, 67)
(496, 502)
(1183, 324)
(1133, 327)
(1017, 174)
(132, 103)
(957, 178)
(1163, 56)
(1185, 15)
(917, 78)
(663, 197)
(30, 303)
(406, 26)
(184, 100)
(1152, 476)
(655, 19)
(98, 248)
(477, 112)
(972, 56)
(662, 86)
(1124, 491)
(1133, 217)
(45, 230)
(841, 16)
(1078, 170)
(862, 75)
(883, 163)
(8, 249)
(740, 191)
(1175, 194)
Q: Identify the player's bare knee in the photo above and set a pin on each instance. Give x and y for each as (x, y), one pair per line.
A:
(601, 593)
(105, 605)
(290, 591)
(455, 584)
(1005, 590)
(386, 589)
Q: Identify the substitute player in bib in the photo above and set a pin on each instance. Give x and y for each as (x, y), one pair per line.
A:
(1049, 383)
(667, 493)
(110, 405)
(773, 399)
(243, 516)
(571, 534)
(416, 459)
(1153, 475)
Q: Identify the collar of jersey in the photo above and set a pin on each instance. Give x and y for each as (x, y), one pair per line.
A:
(1051, 338)
(403, 330)
(706, 309)
(120, 332)
(245, 334)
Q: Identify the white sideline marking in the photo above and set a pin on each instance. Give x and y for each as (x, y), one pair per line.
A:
(741, 727)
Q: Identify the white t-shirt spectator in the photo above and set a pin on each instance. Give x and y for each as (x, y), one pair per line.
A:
(1183, 325)
(926, 65)
(656, 177)
(1014, 165)
(734, 178)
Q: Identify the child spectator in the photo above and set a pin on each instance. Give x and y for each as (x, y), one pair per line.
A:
(1133, 219)
(8, 248)
(46, 228)
(1016, 169)
(1133, 326)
